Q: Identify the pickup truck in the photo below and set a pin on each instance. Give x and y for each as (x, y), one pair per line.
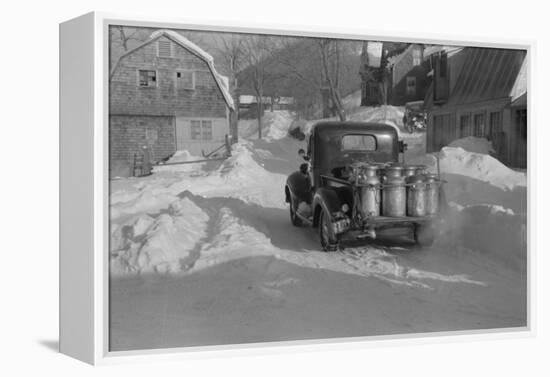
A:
(330, 193)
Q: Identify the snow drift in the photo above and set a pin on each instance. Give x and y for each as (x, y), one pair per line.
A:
(473, 144)
(488, 202)
(240, 176)
(160, 244)
(279, 125)
(275, 125)
(480, 166)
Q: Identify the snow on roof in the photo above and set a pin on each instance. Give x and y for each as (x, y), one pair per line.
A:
(221, 81)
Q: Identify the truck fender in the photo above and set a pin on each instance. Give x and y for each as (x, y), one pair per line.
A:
(299, 186)
(327, 200)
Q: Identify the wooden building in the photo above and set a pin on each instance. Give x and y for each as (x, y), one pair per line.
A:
(479, 92)
(166, 94)
(407, 76)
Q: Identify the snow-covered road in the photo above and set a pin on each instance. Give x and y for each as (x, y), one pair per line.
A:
(207, 255)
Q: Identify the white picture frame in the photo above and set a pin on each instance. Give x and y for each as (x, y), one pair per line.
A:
(84, 191)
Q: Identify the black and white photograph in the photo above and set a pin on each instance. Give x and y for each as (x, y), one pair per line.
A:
(277, 187)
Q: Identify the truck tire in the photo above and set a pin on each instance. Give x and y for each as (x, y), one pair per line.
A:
(328, 242)
(424, 235)
(294, 219)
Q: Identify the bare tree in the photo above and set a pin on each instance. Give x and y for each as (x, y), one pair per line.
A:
(232, 51)
(257, 51)
(301, 74)
(124, 38)
(329, 51)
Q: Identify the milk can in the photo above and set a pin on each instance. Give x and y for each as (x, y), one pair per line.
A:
(370, 192)
(394, 193)
(409, 170)
(421, 169)
(416, 196)
(432, 194)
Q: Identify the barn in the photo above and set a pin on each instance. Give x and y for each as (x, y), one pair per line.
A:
(479, 92)
(167, 95)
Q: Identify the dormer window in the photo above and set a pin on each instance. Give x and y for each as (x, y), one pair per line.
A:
(164, 49)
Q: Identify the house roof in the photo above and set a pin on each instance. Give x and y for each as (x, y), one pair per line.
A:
(487, 73)
(221, 81)
(436, 49)
(521, 101)
(396, 59)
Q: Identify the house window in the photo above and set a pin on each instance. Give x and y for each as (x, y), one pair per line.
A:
(411, 85)
(164, 49)
(479, 125)
(207, 130)
(465, 125)
(195, 130)
(201, 130)
(185, 80)
(147, 78)
(495, 125)
(417, 58)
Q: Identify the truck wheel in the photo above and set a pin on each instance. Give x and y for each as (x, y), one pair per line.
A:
(424, 235)
(294, 219)
(328, 242)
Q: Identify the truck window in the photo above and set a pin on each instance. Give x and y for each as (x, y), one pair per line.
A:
(365, 143)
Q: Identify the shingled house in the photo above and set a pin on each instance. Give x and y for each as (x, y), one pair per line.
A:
(167, 95)
(479, 92)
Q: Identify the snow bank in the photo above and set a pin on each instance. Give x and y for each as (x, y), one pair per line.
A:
(236, 240)
(487, 200)
(159, 244)
(489, 229)
(240, 176)
(481, 167)
(275, 125)
(473, 144)
(279, 125)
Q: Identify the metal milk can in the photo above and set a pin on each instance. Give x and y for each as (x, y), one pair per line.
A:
(432, 194)
(394, 193)
(409, 170)
(370, 193)
(421, 170)
(416, 196)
